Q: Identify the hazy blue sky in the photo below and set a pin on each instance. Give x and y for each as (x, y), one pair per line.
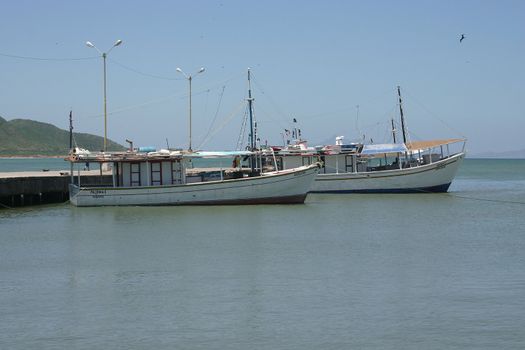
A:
(311, 60)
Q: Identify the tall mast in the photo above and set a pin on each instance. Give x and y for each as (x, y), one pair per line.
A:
(250, 107)
(402, 117)
(71, 144)
(252, 136)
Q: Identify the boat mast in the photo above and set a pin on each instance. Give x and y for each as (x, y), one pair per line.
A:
(71, 144)
(402, 117)
(250, 108)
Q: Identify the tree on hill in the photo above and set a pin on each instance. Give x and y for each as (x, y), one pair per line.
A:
(23, 137)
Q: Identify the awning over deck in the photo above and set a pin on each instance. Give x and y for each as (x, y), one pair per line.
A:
(382, 148)
(420, 145)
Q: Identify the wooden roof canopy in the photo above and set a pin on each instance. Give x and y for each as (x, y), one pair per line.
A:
(416, 145)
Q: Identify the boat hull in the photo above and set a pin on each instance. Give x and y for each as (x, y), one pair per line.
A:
(285, 187)
(434, 177)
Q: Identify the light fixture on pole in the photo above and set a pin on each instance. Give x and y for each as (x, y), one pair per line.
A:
(189, 77)
(104, 55)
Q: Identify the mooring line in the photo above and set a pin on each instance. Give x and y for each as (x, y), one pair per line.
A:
(488, 200)
(476, 198)
(5, 206)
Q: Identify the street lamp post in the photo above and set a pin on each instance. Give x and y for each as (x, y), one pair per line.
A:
(189, 77)
(104, 56)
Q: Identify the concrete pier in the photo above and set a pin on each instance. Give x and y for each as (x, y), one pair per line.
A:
(19, 189)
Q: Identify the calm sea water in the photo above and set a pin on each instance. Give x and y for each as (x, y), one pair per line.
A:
(421, 271)
(32, 164)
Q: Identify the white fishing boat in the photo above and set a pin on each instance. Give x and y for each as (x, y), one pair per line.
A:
(170, 178)
(145, 176)
(408, 166)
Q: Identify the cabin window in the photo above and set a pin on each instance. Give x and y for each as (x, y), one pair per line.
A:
(307, 160)
(176, 173)
(349, 167)
(279, 161)
(156, 174)
(116, 169)
(134, 174)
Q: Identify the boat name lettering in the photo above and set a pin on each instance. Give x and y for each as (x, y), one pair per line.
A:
(97, 192)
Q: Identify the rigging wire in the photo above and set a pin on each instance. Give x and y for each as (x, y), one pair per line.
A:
(268, 115)
(48, 59)
(242, 131)
(142, 73)
(206, 102)
(348, 109)
(221, 126)
(125, 109)
(216, 113)
(433, 114)
(159, 100)
(272, 101)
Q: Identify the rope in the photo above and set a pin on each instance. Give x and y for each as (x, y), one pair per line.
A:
(5, 206)
(488, 200)
(475, 198)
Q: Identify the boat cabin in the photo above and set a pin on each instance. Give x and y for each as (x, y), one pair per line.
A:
(163, 168)
(359, 158)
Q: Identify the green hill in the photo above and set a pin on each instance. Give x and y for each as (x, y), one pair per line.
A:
(23, 137)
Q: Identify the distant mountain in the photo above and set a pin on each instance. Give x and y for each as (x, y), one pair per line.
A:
(517, 154)
(24, 137)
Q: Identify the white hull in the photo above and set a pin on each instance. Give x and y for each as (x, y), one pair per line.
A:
(288, 186)
(434, 177)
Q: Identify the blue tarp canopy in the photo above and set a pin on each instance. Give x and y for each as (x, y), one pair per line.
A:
(381, 148)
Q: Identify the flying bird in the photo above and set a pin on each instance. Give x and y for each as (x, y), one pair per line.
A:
(462, 37)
